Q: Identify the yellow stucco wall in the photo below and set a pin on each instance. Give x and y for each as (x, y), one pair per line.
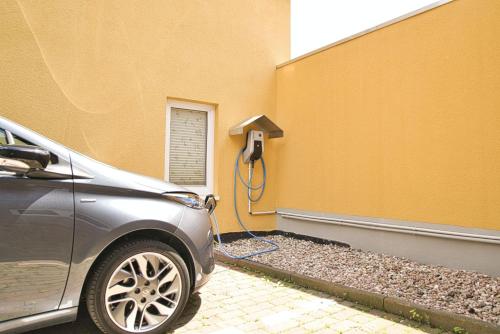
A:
(401, 123)
(96, 75)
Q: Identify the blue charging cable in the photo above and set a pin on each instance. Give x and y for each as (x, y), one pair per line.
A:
(248, 186)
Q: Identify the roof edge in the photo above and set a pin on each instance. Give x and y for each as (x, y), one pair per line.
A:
(367, 31)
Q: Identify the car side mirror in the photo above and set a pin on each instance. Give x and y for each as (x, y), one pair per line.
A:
(21, 159)
(13, 166)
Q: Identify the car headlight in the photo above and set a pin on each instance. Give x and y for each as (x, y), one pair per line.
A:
(191, 200)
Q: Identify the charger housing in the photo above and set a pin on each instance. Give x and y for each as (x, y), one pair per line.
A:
(254, 146)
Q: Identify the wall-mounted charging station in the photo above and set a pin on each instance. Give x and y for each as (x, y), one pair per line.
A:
(255, 128)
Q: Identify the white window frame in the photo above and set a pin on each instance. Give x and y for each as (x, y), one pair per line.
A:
(210, 110)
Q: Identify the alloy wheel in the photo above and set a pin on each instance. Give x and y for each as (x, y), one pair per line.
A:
(143, 292)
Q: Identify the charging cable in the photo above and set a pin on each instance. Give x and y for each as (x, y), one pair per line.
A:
(249, 187)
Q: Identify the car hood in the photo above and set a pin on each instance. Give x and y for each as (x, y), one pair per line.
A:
(105, 175)
(150, 183)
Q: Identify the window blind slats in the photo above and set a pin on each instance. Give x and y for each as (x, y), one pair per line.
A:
(188, 147)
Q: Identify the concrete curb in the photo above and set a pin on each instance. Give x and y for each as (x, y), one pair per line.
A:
(436, 318)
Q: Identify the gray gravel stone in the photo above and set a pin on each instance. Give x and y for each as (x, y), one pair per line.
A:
(463, 292)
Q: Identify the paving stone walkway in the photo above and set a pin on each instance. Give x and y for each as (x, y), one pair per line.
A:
(236, 301)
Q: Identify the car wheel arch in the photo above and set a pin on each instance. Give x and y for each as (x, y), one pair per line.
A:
(152, 234)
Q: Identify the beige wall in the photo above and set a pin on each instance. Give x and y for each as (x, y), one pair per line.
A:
(402, 123)
(96, 75)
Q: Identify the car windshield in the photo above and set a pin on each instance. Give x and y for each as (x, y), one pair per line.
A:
(21, 141)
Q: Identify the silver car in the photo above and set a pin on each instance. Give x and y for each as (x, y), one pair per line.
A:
(73, 229)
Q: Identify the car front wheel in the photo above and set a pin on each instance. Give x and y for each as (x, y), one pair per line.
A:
(140, 287)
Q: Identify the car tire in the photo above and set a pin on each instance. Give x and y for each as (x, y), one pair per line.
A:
(139, 308)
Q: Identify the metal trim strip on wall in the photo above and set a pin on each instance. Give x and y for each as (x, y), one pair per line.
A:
(394, 228)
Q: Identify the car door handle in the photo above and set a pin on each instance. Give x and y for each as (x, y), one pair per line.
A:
(88, 200)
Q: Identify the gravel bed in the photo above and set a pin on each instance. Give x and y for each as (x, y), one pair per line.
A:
(463, 292)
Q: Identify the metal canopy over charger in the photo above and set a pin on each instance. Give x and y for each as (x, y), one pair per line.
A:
(261, 122)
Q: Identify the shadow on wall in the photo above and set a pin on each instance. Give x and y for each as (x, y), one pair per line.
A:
(59, 90)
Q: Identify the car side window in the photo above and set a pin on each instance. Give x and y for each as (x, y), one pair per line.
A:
(3, 141)
(3, 137)
(20, 141)
(17, 140)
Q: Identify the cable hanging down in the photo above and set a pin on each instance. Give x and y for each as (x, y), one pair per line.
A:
(248, 186)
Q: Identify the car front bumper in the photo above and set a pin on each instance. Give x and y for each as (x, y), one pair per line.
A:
(195, 230)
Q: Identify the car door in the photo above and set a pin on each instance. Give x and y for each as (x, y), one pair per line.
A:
(36, 237)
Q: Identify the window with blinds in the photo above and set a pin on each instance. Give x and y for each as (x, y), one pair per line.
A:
(188, 147)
